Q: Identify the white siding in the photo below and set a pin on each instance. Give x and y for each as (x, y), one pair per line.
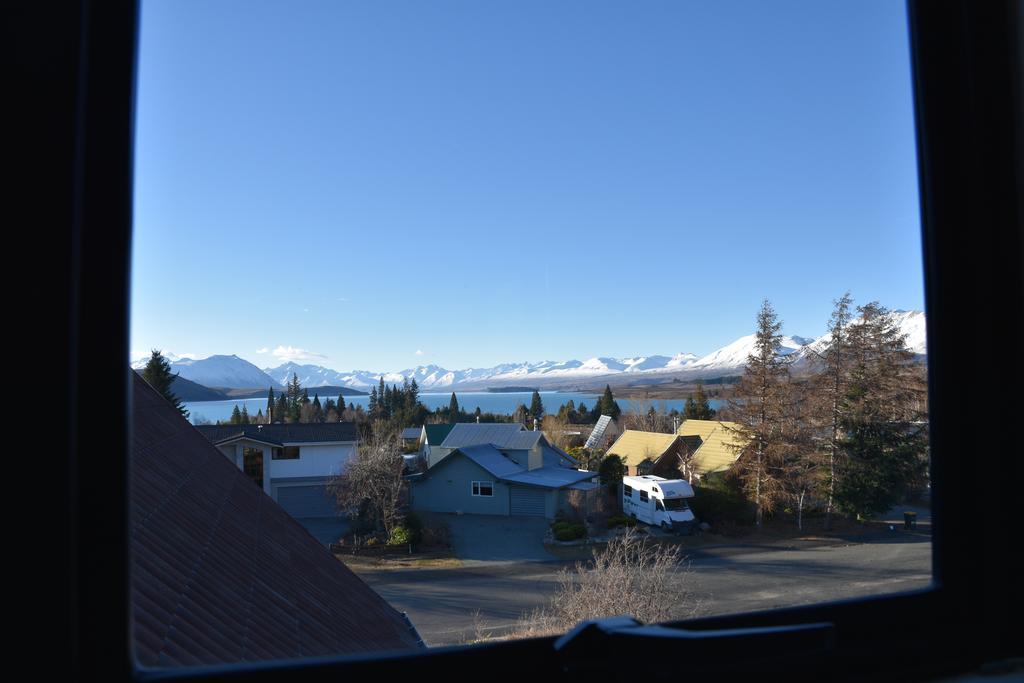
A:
(314, 461)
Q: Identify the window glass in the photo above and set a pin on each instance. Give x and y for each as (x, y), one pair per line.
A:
(686, 233)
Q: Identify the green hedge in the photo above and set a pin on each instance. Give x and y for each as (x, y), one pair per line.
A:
(565, 531)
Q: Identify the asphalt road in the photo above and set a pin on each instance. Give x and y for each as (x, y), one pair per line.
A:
(727, 579)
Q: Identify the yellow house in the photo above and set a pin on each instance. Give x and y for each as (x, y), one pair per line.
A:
(640, 451)
(719, 447)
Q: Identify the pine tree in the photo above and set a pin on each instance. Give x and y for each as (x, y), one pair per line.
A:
(453, 408)
(536, 406)
(704, 409)
(245, 414)
(318, 412)
(281, 409)
(414, 393)
(270, 402)
(883, 440)
(760, 409)
(236, 416)
(158, 375)
(690, 409)
(583, 414)
(260, 419)
(373, 404)
(608, 406)
(294, 398)
(830, 387)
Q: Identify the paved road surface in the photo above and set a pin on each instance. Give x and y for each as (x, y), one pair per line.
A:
(442, 602)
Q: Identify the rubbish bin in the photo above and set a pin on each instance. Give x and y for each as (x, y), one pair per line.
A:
(909, 520)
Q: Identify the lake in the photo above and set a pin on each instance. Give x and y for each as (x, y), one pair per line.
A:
(488, 402)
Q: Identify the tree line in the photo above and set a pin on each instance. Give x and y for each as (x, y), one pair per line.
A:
(852, 435)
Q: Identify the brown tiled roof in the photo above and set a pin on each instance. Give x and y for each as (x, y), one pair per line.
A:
(221, 573)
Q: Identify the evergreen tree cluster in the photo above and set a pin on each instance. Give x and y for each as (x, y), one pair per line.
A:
(453, 413)
(398, 404)
(293, 405)
(697, 406)
(853, 436)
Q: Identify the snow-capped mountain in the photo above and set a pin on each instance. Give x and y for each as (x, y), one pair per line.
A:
(232, 371)
(309, 375)
(910, 323)
(735, 355)
(218, 371)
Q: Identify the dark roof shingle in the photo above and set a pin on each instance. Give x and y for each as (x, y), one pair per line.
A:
(221, 573)
(302, 432)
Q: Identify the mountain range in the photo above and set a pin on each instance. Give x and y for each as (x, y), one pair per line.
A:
(232, 372)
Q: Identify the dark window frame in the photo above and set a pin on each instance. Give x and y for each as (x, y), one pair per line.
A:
(966, 61)
(281, 453)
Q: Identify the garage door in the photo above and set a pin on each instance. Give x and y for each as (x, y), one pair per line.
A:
(526, 501)
(306, 501)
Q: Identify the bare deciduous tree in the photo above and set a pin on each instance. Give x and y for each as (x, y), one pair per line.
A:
(645, 417)
(632, 575)
(373, 478)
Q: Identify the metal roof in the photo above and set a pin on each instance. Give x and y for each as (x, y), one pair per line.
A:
(412, 432)
(298, 432)
(501, 434)
(491, 459)
(549, 477)
(220, 573)
(436, 434)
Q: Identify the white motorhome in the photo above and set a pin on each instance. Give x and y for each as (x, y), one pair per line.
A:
(658, 501)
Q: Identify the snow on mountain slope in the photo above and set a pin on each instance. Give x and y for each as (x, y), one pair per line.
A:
(231, 371)
(735, 355)
(223, 371)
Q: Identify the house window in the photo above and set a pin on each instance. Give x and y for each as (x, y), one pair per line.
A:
(483, 488)
(643, 496)
(627, 491)
(286, 453)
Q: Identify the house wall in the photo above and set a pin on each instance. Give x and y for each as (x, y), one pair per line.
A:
(314, 461)
(449, 489)
(521, 456)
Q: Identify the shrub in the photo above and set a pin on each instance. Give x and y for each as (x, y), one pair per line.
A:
(569, 532)
(630, 576)
(400, 535)
(414, 524)
(621, 520)
(719, 499)
(436, 535)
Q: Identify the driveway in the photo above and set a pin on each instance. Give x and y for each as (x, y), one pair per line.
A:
(493, 538)
(327, 530)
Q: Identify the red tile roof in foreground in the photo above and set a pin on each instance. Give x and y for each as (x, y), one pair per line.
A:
(222, 574)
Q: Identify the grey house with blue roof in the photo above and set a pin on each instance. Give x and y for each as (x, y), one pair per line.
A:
(503, 469)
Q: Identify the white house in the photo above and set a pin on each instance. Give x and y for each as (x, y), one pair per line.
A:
(290, 462)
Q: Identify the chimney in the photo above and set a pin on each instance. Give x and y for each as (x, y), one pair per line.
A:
(478, 419)
(534, 424)
(535, 459)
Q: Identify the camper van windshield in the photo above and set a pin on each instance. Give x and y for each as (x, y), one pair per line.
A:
(676, 504)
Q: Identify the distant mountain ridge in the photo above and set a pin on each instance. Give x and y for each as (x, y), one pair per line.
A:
(234, 372)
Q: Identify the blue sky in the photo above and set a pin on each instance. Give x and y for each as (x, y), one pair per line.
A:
(377, 185)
